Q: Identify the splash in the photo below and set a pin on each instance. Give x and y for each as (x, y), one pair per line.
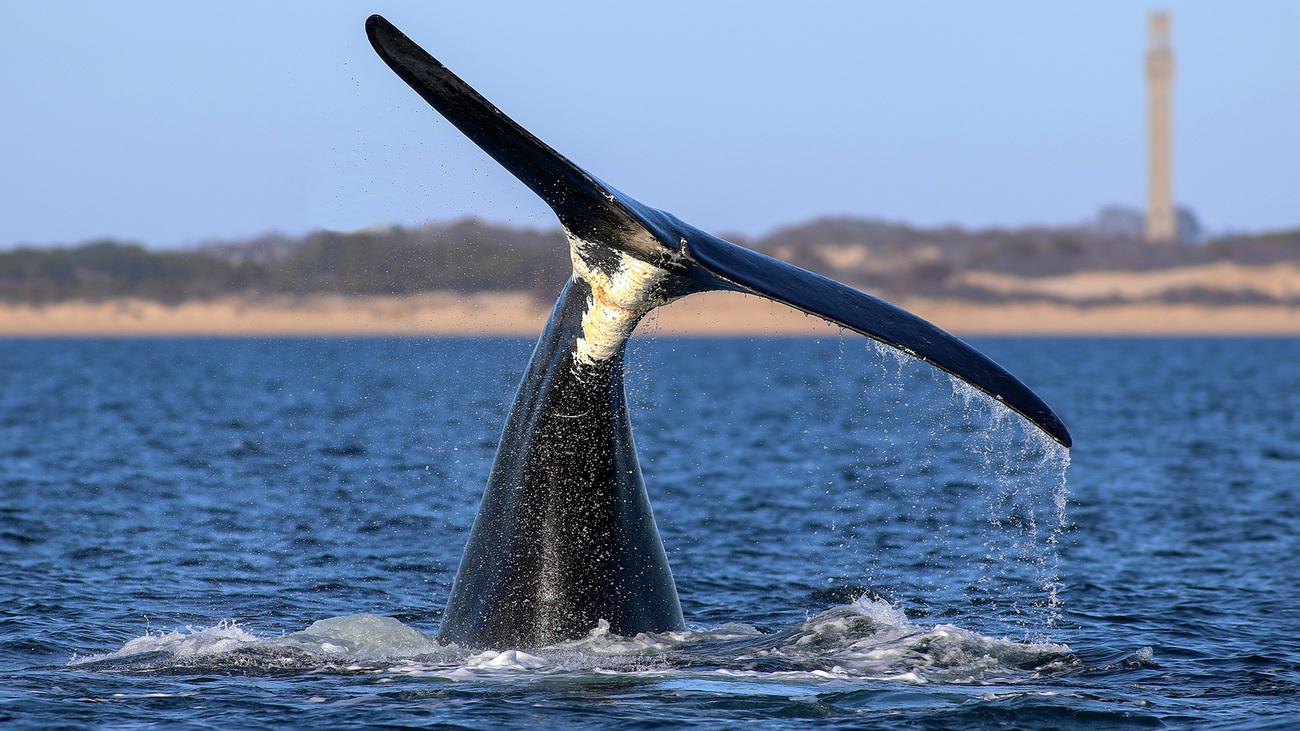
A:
(219, 639)
(229, 643)
(864, 640)
(872, 638)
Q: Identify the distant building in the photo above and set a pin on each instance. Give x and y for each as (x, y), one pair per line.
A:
(1162, 219)
(1119, 221)
(1189, 226)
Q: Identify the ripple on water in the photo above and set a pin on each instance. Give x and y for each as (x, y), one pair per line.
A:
(788, 477)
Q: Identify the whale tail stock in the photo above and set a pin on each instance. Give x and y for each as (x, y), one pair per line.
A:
(595, 213)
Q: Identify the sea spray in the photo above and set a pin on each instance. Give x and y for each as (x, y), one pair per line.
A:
(1026, 509)
(995, 532)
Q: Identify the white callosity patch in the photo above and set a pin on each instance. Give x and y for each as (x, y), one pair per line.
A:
(617, 301)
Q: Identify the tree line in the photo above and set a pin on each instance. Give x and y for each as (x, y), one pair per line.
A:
(467, 256)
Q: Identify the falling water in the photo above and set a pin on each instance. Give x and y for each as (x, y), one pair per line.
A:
(1019, 481)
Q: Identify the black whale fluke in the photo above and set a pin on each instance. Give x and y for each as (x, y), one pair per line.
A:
(577, 199)
(591, 210)
(565, 536)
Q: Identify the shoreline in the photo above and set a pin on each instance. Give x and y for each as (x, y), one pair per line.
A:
(510, 314)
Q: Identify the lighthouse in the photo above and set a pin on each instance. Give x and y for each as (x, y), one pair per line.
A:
(1161, 223)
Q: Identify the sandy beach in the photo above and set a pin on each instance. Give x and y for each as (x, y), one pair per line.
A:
(513, 314)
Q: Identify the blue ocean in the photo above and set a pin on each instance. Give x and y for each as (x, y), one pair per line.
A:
(261, 533)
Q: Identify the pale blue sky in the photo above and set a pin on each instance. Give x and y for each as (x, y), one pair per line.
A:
(172, 123)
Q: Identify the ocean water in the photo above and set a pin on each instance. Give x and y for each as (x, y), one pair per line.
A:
(227, 533)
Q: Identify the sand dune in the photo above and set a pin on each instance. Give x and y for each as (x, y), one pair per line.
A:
(1280, 282)
(512, 314)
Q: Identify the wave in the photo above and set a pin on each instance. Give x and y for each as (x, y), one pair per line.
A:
(868, 639)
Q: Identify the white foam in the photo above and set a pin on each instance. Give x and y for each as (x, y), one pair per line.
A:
(222, 638)
(868, 639)
(874, 639)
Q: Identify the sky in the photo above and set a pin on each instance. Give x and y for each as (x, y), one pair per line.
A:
(178, 123)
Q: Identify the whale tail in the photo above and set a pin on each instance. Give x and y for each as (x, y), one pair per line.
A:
(565, 536)
(596, 214)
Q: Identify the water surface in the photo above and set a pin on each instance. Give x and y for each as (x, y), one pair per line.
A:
(261, 533)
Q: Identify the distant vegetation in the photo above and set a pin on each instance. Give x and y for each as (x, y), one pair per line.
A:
(897, 260)
(108, 268)
(464, 257)
(469, 256)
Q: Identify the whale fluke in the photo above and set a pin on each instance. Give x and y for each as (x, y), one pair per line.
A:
(591, 210)
(579, 200)
(565, 536)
